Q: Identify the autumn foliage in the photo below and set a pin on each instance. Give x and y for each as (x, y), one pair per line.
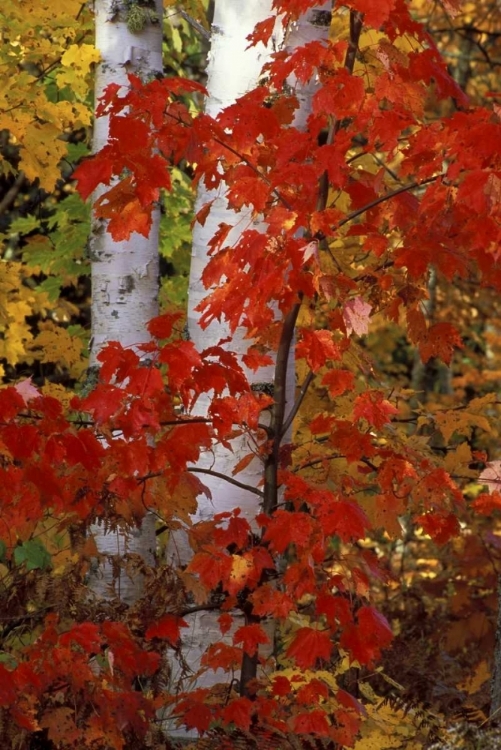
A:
(362, 208)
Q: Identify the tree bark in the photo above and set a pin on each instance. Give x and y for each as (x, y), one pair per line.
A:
(125, 274)
(233, 70)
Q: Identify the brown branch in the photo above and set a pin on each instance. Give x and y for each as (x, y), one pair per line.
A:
(241, 485)
(193, 23)
(11, 194)
(356, 21)
(383, 198)
(198, 608)
(278, 409)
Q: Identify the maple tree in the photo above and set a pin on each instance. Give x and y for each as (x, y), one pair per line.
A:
(362, 206)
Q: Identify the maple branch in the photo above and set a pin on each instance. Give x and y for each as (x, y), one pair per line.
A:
(199, 608)
(318, 460)
(192, 420)
(356, 22)
(278, 410)
(241, 485)
(383, 198)
(11, 194)
(197, 470)
(302, 393)
(192, 22)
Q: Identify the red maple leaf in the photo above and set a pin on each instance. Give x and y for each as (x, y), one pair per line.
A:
(338, 382)
(254, 359)
(365, 638)
(336, 608)
(251, 637)
(440, 341)
(162, 326)
(308, 646)
(234, 529)
(262, 31)
(487, 503)
(94, 171)
(345, 519)
(311, 692)
(373, 407)
(212, 566)
(280, 686)
(195, 710)
(287, 528)
(312, 722)
(168, 628)
(342, 95)
(11, 402)
(222, 656)
(239, 712)
(8, 693)
(440, 526)
(225, 622)
(375, 13)
(269, 601)
(317, 347)
(124, 212)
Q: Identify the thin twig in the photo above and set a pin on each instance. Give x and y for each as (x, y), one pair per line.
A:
(210, 472)
(198, 608)
(194, 23)
(11, 194)
(383, 198)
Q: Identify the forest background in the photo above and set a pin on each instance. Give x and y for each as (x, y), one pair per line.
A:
(433, 578)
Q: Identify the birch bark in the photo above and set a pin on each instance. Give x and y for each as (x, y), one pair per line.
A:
(233, 70)
(124, 274)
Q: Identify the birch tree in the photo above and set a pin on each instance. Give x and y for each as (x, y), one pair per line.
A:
(124, 273)
(234, 69)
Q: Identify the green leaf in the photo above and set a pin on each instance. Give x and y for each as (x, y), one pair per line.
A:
(76, 151)
(33, 554)
(8, 660)
(51, 286)
(3, 550)
(24, 225)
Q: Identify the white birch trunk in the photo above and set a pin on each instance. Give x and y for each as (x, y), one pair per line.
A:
(124, 274)
(233, 70)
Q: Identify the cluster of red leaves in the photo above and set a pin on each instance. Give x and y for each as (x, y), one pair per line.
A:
(109, 464)
(62, 470)
(77, 683)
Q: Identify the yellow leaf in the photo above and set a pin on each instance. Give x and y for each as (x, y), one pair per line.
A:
(461, 456)
(54, 344)
(80, 56)
(464, 420)
(41, 153)
(389, 729)
(474, 682)
(77, 62)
